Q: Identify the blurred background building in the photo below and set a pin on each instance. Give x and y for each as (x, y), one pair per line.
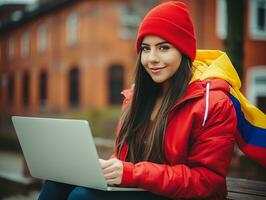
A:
(62, 55)
(59, 56)
(78, 54)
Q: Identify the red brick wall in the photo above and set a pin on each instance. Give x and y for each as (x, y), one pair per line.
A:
(99, 46)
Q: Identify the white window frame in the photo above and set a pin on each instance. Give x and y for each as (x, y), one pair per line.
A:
(129, 22)
(11, 48)
(221, 19)
(42, 38)
(255, 89)
(4, 79)
(72, 24)
(25, 45)
(254, 32)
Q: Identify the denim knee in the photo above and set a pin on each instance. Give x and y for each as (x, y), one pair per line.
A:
(81, 193)
(54, 190)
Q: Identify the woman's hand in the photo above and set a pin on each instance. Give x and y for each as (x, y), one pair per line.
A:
(112, 170)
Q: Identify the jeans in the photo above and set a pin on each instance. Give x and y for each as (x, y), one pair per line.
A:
(56, 191)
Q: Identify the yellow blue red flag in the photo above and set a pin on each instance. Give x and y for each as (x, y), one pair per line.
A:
(251, 122)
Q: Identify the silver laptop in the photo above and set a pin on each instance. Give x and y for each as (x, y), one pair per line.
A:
(61, 150)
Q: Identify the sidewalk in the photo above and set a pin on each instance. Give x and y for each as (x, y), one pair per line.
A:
(14, 185)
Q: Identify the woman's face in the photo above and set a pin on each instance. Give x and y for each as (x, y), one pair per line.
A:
(160, 58)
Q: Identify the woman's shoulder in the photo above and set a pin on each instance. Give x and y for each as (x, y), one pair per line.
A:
(128, 95)
(213, 96)
(209, 91)
(215, 104)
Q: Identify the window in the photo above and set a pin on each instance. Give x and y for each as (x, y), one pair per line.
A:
(72, 29)
(25, 89)
(130, 20)
(16, 15)
(10, 89)
(115, 83)
(42, 38)
(3, 82)
(256, 87)
(131, 14)
(25, 45)
(257, 19)
(1, 90)
(221, 19)
(11, 48)
(43, 89)
(3, 79)
(262, 103)
(74, 87)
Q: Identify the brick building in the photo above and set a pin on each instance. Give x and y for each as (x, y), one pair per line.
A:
(80, 54)
(63, 56)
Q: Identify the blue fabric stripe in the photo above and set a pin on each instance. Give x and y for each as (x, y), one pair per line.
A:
(251, 134)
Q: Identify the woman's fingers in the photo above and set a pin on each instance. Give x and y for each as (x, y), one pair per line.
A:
(105, 163)
(111, 175)
(107, 170)
(112, 170)
(112, 163)
(114, 181)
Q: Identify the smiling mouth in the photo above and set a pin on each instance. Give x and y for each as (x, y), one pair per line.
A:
(156, 69)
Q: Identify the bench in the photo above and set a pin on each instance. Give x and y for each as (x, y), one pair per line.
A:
(14, 186)
(238, 189)
(245, 189)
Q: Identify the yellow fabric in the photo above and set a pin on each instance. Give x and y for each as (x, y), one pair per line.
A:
(216, 64)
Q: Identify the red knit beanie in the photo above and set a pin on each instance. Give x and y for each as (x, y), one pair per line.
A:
(170, 21)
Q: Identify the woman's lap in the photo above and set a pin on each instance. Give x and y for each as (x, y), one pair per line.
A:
(88, 193)
(53, 190)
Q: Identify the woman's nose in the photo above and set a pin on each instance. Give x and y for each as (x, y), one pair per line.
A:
(153, 56)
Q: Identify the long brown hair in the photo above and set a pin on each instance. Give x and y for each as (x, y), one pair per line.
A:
(145, 140)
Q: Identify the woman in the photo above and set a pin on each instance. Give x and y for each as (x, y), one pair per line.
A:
(177, 128)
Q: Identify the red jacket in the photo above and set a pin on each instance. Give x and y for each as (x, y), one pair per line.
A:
(199, 143)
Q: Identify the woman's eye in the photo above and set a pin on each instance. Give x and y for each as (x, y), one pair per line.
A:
(164, 47)
(144, 49)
